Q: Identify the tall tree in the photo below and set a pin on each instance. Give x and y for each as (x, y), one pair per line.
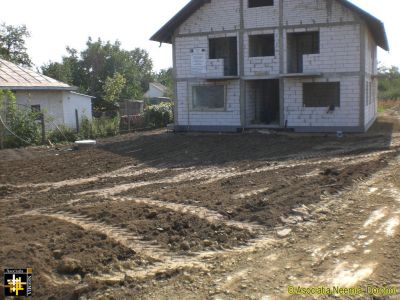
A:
(101, 60)
(12, 44)
(113, 88)
(389, 83)
(165, 77)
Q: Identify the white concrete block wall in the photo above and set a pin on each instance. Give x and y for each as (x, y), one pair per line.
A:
(346, 115)
(184, 45)
(188, 116)
(218, 15)
(51, 104)
(72, 102)
(215, 67)
(339, 49)
(371, 59)
(371, 105)
(339, 53)
(257, 17)
(268, 65)
(315, 11)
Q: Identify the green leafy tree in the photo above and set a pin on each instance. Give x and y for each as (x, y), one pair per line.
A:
(165, 77)
(68, 71)
(389, 83)
(12, 44)
(90, 69)
(113, 87)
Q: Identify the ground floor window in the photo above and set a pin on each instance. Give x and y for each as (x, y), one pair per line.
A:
(321, 94)
(209, 97)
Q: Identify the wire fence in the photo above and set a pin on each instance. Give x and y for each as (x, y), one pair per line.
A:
(28, 124)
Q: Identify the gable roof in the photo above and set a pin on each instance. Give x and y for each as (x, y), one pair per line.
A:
(15, 77)
(164, 35)
(159, 86)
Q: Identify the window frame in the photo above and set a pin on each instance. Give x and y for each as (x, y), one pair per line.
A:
(207, 109)
(312, 103)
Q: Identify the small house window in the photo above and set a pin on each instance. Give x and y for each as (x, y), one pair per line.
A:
(262, 45)
(209, 97)
(321, 94)
(35, 108)
(260, 3)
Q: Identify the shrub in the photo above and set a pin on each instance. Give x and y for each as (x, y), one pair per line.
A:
(160, 115)
(62, 134)
(99, 127)
(23, 123)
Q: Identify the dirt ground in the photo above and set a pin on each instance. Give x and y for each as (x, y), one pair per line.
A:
(157, 215)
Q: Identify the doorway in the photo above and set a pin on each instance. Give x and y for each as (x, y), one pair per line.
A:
(263, 102)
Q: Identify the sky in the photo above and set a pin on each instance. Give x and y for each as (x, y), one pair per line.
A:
(55, 24)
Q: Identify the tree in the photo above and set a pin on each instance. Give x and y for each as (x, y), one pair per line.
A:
(90, 69)
(165, 77)
(389, 83)
(113, 88)
(12, 44)
(68, 71)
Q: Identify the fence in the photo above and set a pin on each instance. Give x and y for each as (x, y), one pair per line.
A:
(26, 125)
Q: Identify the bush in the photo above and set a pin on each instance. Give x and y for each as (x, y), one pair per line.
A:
(99, 127)
(62, 134)
(157, 116)
(23, 123)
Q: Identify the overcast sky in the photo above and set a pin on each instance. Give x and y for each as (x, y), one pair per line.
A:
(55, 24)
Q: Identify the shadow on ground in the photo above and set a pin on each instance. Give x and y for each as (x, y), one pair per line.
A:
(195, 149)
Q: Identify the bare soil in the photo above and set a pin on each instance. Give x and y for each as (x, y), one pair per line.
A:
(157, 215)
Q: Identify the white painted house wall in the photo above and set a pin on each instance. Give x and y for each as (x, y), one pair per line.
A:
(339, 60)
(51, 103)
(73, 101)
(58, 106)
(153, 92)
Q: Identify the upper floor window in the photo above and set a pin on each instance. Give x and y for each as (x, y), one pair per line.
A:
(300, 44)
(226, 49)
(259, 3)
(262, 45)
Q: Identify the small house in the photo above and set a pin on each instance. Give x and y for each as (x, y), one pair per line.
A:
(60, 102)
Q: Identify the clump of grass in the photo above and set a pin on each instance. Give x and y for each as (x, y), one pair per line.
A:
(384, 105)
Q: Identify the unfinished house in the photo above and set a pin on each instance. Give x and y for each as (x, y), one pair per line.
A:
(307, 65)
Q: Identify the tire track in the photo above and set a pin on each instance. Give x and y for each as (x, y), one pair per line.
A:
(211, 175)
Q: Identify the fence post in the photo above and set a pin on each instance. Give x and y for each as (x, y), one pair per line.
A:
(77, 121)
(43, 128)
(3, 115)
(2, 131)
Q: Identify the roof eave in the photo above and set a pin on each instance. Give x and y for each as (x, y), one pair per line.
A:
(37, 88)
(374, 24)
(164, 35)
